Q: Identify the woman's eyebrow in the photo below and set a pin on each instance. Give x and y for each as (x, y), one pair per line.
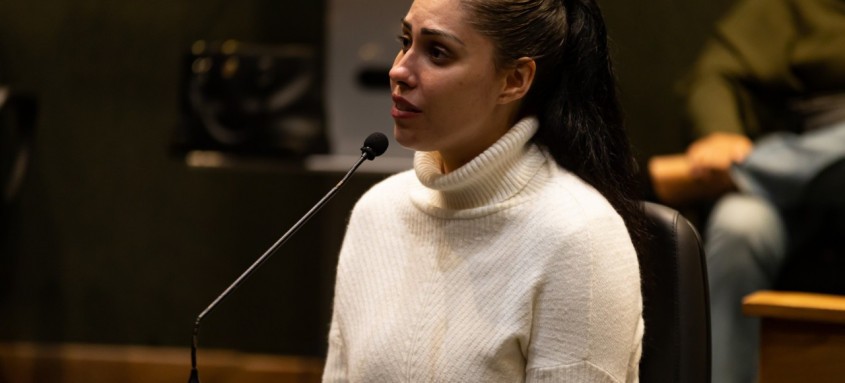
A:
(433, 32)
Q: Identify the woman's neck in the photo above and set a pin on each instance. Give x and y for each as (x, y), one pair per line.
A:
(490, 178)
(503, 119)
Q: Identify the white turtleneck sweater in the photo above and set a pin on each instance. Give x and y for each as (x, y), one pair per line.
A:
(508, 269)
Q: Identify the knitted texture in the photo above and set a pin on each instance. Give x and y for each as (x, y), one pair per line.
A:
(508, 269)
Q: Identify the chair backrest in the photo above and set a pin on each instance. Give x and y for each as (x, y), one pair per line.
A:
(17, 124)
(676, 307)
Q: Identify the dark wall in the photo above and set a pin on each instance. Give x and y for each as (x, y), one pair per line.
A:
(655, 43)
(113, 240)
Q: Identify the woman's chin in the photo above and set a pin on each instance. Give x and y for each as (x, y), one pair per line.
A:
(414, 138)
(404, 137)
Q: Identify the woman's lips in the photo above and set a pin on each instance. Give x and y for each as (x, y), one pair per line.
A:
(403, 109)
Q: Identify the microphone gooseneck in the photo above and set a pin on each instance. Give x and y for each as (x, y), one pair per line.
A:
(374, 146)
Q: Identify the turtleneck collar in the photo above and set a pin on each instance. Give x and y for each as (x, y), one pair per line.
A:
(487, 181)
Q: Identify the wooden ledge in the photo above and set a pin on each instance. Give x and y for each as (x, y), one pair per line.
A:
(88, 363)
(795, 306)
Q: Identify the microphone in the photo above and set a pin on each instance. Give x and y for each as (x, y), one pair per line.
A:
(374, 146)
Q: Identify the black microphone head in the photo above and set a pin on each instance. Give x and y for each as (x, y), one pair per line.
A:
(374, 145)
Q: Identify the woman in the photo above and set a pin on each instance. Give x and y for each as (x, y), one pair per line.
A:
(493, 260)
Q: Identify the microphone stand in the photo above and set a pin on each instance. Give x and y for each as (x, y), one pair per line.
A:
(367, 153)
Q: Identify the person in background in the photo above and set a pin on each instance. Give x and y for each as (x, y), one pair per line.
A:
(508, 253)
(766, 100)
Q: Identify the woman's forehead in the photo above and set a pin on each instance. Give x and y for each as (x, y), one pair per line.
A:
(447, 16)
(439, 14)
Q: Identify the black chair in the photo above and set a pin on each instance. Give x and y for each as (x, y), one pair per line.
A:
(817, 259)
(17, 125)
(676, 304)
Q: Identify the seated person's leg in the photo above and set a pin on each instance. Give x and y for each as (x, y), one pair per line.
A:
(745, 244)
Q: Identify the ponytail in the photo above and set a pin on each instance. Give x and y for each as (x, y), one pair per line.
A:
(581, 121)
(573, 94)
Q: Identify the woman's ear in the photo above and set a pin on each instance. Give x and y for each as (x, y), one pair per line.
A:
(518, 80)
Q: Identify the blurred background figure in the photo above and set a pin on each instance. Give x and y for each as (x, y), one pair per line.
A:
(766, 101)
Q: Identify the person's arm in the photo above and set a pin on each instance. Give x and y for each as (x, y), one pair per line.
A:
(674, 182)
(750, 49)
(587, 313)
(335, 368)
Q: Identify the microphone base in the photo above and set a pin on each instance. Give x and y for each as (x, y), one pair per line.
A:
(195, 376)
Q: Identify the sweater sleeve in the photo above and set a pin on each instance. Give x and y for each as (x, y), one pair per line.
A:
(751, 46)
(587, 321)
(335, 368)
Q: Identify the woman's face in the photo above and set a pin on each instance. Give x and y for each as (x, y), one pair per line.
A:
(445, 87)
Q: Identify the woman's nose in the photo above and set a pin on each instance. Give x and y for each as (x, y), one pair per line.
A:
(402, 73)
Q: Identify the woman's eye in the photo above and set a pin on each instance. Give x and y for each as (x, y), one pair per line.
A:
(404, 41)
(438, 53)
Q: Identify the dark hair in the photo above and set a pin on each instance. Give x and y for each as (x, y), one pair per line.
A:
(573, 94)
